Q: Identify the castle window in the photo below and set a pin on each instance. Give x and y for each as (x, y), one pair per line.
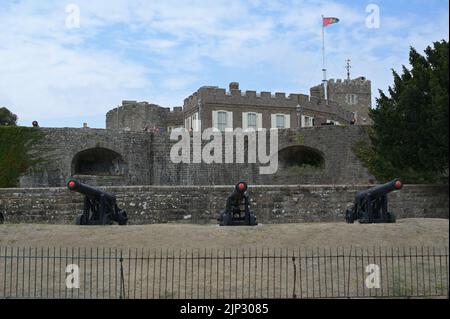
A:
(188, 123)
(251, 121)
(195, 122)
(351, 99)
(307, 121)
(281, 121)
(222, 120)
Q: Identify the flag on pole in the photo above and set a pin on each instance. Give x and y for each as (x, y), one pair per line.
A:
(329, 20)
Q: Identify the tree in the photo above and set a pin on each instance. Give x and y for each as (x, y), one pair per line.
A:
(410, 131)
(18, 153)
(7, 117)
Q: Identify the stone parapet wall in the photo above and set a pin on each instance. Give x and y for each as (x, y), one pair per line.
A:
(202, 204)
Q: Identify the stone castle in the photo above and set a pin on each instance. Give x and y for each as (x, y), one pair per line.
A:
(316, 139)
(349, 102)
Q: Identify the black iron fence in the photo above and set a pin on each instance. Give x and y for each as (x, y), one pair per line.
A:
(223, 274)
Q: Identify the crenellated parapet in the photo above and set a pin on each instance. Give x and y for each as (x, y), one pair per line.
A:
(354, 96)
(238, 97)
(234, 97)
(138, 116)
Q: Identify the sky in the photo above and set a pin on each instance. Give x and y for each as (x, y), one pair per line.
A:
(64, 63)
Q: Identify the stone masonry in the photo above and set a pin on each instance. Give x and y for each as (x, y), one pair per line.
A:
(143, 158)
(351, 95)
(202, 204)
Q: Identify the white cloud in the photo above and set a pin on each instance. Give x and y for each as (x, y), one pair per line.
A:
(162, 50)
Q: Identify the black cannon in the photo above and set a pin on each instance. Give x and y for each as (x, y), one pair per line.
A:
(237, 211)
(2, 218)
(371, 206)
(100, 208)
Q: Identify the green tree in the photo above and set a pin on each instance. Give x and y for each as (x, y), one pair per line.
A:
(410, 124)
(17, 152)
(7, 117)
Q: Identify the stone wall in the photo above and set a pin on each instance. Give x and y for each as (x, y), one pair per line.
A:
(146, 157)
(134, 116)
(266, 103)
(62, 145)
(338, 90)
(201, 204)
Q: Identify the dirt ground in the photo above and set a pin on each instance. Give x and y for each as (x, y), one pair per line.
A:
(405, 233)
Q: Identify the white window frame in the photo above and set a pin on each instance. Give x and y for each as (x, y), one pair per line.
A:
(196, 124)
(215, 119)
(188, 123)
(287, 120)
(245, 120)
(252, 116)
(307, 121)
(333, 122)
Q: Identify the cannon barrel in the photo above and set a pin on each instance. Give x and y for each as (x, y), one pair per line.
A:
(379, 190)
(87, 190)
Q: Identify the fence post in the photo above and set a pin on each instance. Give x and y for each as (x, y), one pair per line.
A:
(122, 279)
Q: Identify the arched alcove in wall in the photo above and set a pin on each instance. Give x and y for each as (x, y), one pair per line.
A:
(99, 161)
(300, 156)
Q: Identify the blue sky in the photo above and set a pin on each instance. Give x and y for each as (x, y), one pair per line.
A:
(163, 51)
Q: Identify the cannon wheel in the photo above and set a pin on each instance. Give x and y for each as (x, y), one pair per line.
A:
(253, 221)
(349, 216)
(226, 219)
(391, 218)
(81, 220)
(123, 218)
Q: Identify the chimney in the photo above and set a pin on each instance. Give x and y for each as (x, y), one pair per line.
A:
(234, 86)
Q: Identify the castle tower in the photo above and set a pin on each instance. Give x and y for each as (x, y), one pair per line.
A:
(140, 116)
(352, 95)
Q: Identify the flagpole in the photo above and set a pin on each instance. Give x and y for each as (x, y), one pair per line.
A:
(323, 45)
(324, 70)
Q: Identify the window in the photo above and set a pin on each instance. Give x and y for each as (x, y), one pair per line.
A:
(332, 122)
(188, 123)
(307, 121)
(222, 121)
(195, 122)
(351, 99)
(280, 122)
(251, 121)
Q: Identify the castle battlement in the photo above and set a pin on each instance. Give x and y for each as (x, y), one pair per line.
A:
(361, 81)
(134, 116)
(234, 96)
(128, 105)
